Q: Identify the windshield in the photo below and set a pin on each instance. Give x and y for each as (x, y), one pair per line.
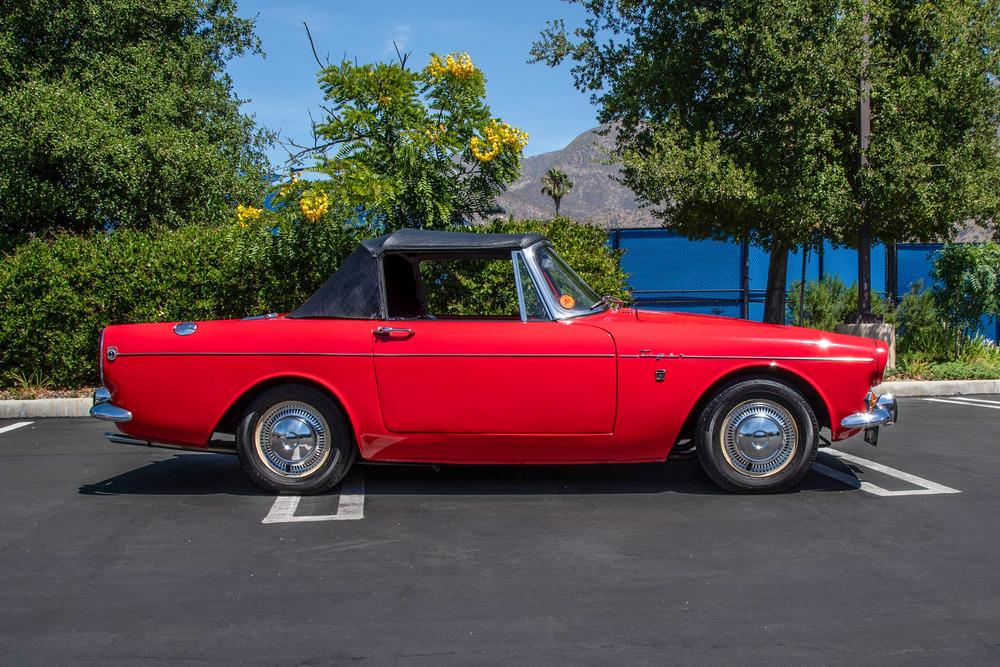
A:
(568, 291)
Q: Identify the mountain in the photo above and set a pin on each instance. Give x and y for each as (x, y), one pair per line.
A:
(596, 197)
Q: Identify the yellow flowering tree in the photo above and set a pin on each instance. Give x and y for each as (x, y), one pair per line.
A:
(410, 147)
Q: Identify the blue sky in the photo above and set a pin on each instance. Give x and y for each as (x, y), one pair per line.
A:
(536, 98)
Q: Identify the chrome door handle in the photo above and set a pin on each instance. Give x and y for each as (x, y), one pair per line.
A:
(393, 332)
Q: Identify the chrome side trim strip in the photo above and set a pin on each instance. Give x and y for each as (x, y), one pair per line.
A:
(491, 354)
(244, 354)
(349, 354)
(739, 356)
(120, 439)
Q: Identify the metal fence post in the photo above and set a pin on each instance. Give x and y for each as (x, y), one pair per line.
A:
(819, 256)
(745, 278)
(891, 274)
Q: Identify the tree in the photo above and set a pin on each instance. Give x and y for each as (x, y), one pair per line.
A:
(739, 118)
(118, 113)
(967, 285)
(556, 184)
(412, 148)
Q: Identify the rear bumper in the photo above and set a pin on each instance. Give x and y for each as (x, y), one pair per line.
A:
(882, 411)
(104, 409)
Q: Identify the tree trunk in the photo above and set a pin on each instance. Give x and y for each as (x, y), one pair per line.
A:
(777, 275)
(557, 200)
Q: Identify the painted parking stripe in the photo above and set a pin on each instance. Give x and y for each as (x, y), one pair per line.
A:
(927, 487)
(967, 399)
(351, 506)
(11, 427)
(960, 402)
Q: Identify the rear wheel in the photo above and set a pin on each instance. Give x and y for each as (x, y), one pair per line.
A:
(295, 439)
(757, 436)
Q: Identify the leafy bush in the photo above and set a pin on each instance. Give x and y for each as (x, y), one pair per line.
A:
(827, 303)
(916, 319)
(57, 294)
(489, 287)
(967, 284)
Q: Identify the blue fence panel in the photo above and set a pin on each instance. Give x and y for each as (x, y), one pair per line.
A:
(913, 265)
(670, 272)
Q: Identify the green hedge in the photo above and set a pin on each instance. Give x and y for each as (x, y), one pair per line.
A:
(56, 295)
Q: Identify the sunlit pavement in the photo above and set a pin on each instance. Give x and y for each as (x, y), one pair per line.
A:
(114, 554)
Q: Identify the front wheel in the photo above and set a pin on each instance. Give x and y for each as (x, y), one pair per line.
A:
(757, 436)
(295, 439)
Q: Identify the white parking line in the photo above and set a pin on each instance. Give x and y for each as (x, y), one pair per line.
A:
(351, 506)
(11, 427)
(928, 488)
(962, 402)
(976, 400)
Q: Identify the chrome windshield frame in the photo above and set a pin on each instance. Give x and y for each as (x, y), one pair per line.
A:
(555, 311)
(519, 257)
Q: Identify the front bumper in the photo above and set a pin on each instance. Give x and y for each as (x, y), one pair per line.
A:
(882, 411)
(104, 409)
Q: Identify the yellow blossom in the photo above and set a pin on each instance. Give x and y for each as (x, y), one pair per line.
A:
(457, 64)
(287, 187)
(496, 136)
(246, 213)
(314, 205)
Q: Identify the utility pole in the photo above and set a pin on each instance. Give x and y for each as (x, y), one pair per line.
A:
(864, 135)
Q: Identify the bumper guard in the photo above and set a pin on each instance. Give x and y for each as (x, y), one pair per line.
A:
(104, 409)
(882, 411)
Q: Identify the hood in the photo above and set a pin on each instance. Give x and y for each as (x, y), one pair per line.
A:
(706, 335)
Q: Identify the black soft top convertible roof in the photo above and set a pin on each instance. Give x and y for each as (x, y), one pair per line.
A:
(356, 290)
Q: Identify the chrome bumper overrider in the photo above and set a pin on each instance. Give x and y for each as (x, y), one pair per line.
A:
(103, 408)
(882, 411)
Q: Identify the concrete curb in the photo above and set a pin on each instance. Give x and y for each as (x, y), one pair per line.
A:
(45, 407)
(80, 407)
(939, 387)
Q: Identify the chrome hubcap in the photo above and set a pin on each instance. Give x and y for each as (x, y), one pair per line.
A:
(292, 439)
(759, 438)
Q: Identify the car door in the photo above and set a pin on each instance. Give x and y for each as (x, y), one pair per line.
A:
(496, 376)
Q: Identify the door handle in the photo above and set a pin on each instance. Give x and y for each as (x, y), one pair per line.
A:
(393, 332)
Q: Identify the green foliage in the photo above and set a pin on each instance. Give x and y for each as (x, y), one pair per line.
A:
(918, 324)
(977, 359)
(56, 294)
(116, 112)
(556, 184)
(827, 303)
(488, 288)
(967, 284)
(414, 148)
(584, 247)
(739, 118)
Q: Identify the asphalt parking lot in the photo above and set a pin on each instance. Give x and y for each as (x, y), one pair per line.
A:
(114, 554)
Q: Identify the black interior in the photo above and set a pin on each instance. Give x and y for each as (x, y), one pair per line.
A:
(403, 294)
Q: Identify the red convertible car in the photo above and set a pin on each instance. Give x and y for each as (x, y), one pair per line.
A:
(390, 360)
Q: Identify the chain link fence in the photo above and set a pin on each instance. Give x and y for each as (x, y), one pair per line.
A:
(671, 272)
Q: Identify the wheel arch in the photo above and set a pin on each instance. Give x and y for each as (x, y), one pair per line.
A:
(783, 374)
(229, 421)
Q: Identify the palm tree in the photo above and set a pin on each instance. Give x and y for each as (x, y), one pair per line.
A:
(556, 184)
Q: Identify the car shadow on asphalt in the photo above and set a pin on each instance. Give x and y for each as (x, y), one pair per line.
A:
(181, 474)
(214, 474)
